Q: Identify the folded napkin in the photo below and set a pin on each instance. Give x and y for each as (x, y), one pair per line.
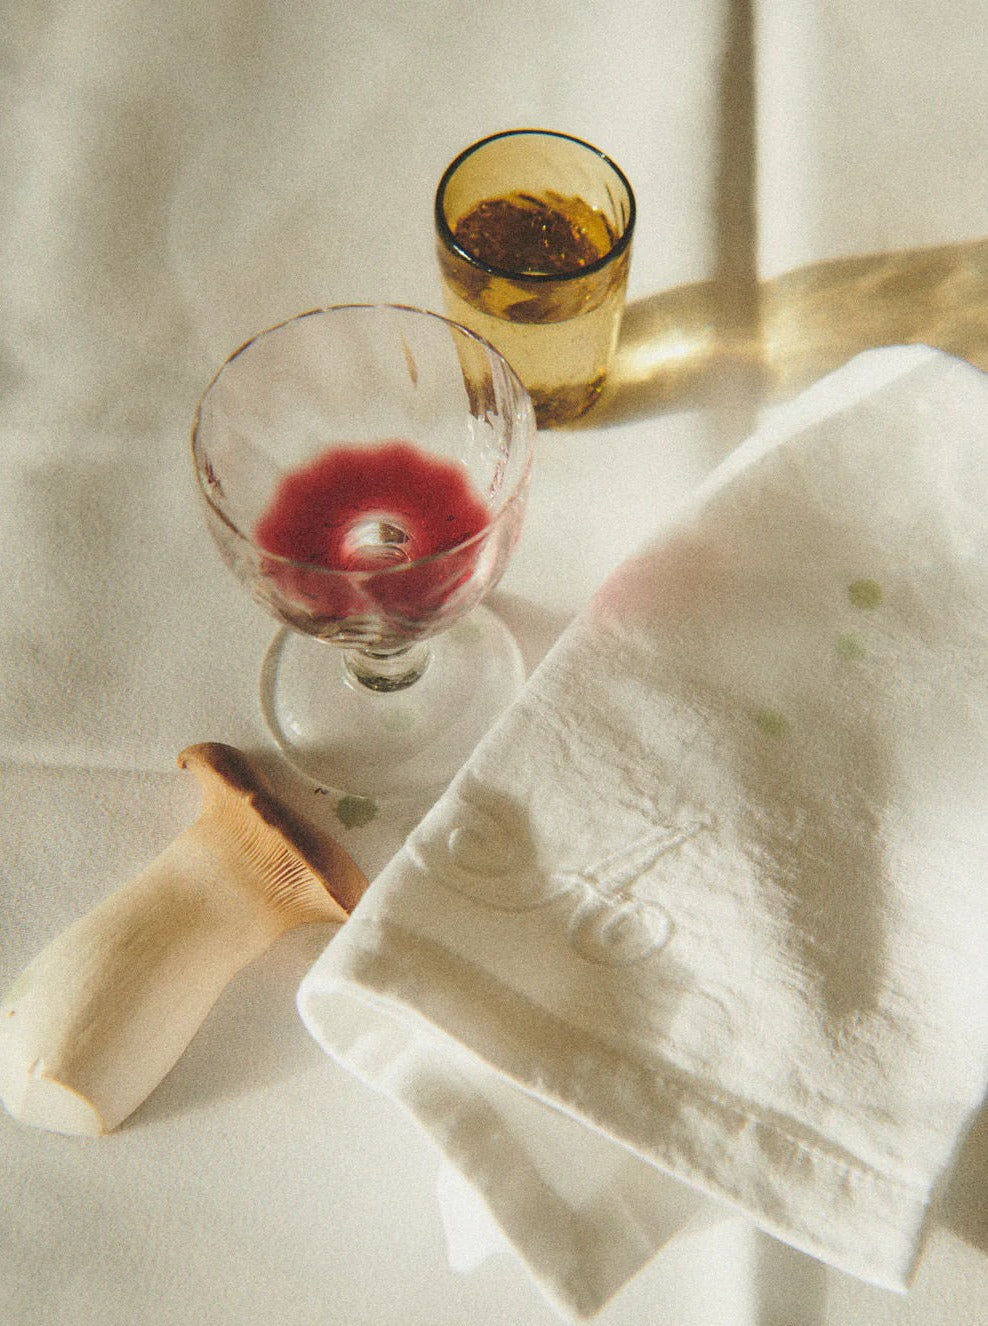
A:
(706, 913)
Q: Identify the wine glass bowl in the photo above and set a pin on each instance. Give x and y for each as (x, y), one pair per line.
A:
(364, 472)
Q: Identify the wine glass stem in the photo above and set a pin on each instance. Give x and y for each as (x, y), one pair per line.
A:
(387, 669)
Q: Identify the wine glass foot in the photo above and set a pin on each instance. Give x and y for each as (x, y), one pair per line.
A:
(397, 744)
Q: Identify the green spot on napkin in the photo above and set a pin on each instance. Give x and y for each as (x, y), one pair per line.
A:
(865, 593)
(355, 812)
(772, 722)
(851, 646)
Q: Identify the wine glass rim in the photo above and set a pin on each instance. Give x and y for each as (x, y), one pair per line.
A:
(516, 492)
(445, 231)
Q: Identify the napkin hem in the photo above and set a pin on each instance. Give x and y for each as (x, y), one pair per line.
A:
(579, 1256)
(839, 1208)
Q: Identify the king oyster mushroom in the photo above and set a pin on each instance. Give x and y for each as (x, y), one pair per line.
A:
(99, 1017)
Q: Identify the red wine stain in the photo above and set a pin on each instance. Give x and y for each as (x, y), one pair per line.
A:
(376, 510)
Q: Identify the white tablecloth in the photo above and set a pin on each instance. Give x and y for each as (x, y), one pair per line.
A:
(172, 178)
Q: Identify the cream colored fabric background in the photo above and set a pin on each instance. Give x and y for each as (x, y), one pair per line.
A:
(810, 181)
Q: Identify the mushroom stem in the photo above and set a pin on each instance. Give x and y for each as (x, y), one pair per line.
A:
(102, 1014)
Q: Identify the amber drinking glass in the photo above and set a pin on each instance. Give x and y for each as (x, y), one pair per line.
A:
(534, 236)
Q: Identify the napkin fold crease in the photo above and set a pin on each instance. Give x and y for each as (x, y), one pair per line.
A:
(701, 925)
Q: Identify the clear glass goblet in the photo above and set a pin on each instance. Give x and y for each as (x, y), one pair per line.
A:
(364, 470)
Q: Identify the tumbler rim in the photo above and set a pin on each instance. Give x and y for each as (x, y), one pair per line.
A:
(446, 234)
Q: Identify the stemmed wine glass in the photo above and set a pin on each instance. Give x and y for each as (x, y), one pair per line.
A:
(364, 470)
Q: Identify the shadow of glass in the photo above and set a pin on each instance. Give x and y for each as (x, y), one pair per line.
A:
(676, 353)
(694, 346)
(816, 318)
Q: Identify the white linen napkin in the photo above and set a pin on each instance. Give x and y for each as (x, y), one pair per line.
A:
(706, 914)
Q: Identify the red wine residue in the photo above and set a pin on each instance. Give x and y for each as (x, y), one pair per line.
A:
(372, 510)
